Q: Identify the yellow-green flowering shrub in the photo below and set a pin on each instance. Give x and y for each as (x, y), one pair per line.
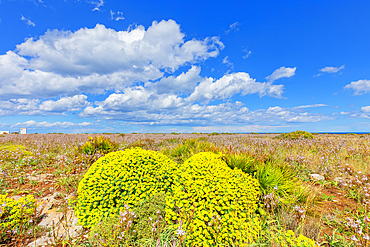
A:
(297, 135)
(289, 239)
(9, 152)
(119, 178)
(13, 213)
(212, 204)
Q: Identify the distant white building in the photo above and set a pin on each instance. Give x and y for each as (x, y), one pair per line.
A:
(4, 132)
(23, 131)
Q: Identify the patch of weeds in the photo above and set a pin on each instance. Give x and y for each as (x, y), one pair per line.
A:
(335, 240)
(325, 197)
(34, 183)
(99, 144)
(141, 225)
(67, 182)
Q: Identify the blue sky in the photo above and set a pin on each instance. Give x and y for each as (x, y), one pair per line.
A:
(184, 66)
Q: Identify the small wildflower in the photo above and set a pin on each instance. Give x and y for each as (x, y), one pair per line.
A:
(354, 238)
(366, 218)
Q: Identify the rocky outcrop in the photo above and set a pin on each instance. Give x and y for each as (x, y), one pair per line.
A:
(58, 223)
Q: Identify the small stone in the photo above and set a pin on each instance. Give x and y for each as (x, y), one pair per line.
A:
(16, 198)
(75, 231)
(40, 178)
(317, 177)
(43, 241)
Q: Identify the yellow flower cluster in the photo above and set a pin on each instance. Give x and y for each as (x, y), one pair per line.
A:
(212, 204)
(119, 178)
(15, 149)
(13, 213)
(288, 239)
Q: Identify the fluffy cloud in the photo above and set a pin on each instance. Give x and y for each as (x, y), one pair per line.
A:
(98, 59)
(36, 107)
(139, 70)
(19, 106)
(118, 108)
(360, 86)
(184, 83)
(132, 100)
(231, 84)
(365, 109)
(75, 103)
(364, 112)
(163, 96)
(281, 73)
(104, 51)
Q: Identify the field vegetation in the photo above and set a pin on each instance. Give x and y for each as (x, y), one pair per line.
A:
(295, 189)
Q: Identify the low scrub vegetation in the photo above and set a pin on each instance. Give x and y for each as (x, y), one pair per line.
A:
(299, 134)
(188, 189)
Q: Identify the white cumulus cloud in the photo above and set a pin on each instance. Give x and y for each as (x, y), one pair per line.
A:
(360, 86)
(281, 73)
(365, 109)
(75, 103)
(231, 84)
(25, 106)
(98, 59)
(140, 107)
(183, 83)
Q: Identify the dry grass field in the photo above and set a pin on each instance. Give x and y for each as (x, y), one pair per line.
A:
(310, 188)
